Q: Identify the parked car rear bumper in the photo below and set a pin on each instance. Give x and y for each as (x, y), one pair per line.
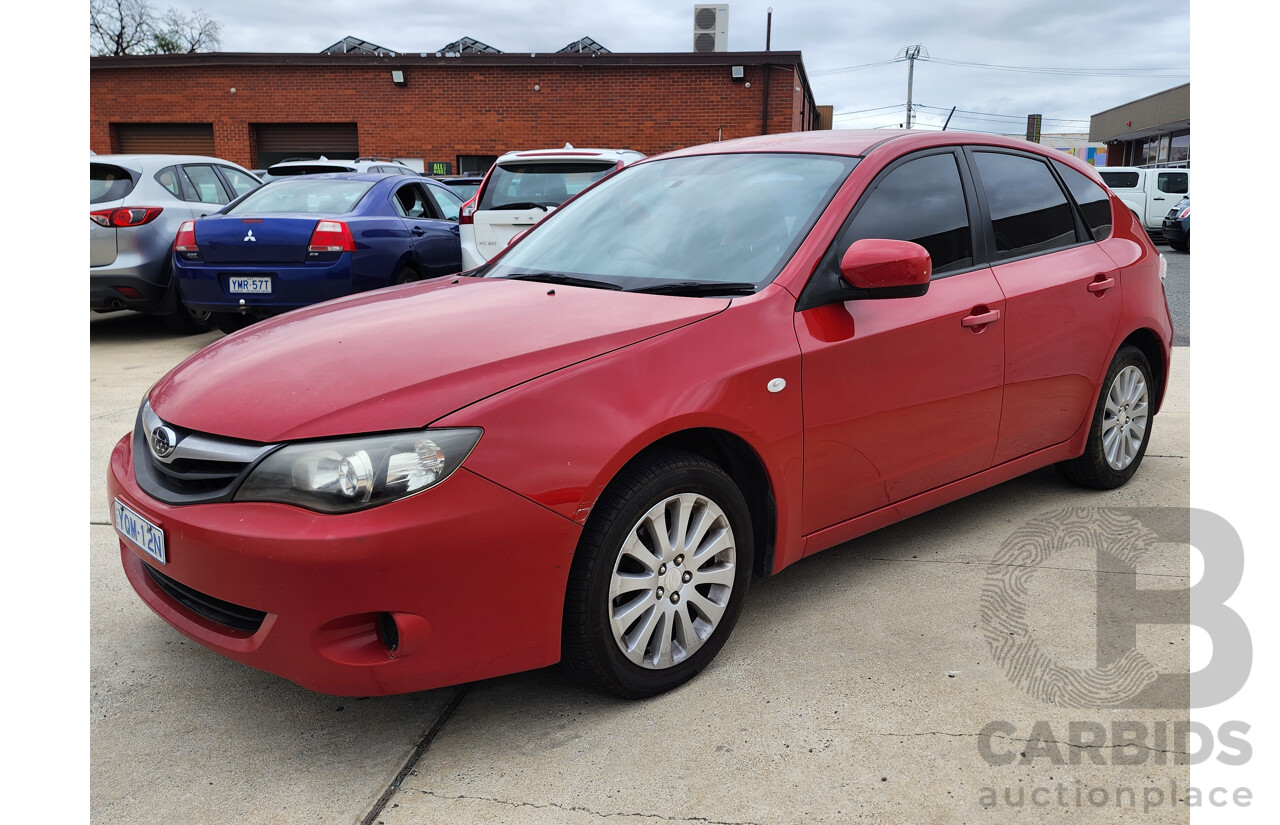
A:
(118, 289)
(206, 287)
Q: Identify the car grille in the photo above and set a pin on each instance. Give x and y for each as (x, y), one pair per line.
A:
(194, 468)
(226, 614)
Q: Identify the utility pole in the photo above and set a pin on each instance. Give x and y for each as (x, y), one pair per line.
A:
(911, 53)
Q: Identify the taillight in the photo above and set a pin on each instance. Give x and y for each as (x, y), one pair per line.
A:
(1184, 213)
(467, 210)
(186, 240)
(332, 236)
(126, 215)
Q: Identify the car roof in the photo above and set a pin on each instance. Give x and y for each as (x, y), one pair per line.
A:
(159, 160)
(862, 142)
(373, 176)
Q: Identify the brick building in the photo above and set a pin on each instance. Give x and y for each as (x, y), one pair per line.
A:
(459, 110)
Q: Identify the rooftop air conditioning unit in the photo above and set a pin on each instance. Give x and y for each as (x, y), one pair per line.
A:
(711, 28)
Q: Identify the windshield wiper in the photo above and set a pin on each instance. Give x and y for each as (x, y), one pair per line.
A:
(561, 278)
(521, 205)
(698, 288)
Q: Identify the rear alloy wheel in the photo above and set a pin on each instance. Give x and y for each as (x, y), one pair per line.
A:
(1121, 425)
(187, 321)
(659, 578)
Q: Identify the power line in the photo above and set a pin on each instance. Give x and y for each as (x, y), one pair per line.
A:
(1009, 117)
(854, 68)
(1182, 71)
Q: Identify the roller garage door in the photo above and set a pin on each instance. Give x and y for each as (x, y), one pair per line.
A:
(280, 141)
(165, 138)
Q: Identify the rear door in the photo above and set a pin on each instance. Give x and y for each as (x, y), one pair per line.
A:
(433, 237)
(520, 193)
(1062, 297)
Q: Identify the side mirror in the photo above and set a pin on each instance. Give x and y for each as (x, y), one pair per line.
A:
(882, 268)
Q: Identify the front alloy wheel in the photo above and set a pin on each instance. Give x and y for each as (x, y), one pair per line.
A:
(672, 580)
(659, 577)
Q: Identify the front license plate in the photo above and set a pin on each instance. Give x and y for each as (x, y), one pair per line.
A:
(249, 285)
(141, 532)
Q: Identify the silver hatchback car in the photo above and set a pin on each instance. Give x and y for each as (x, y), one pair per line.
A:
(136, 204)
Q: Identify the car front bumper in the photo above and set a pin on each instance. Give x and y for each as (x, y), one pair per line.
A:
(466, 580)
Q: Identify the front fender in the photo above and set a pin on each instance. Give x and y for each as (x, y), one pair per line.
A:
(560, 439)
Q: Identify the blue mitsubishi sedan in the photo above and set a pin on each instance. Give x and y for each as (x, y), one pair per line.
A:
(302, 240)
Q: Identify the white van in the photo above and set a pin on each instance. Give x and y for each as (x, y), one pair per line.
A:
(1149, 192)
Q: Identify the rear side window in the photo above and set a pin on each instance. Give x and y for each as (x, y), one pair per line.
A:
(108, 183)
(517, 185)
(1174, 183)
(1094, 203)
(208, 188)
(921, 201)
(1029, 212)
(1120, 180)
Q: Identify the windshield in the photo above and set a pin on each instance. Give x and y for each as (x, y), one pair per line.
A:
(730, 219)
(304, 195)
(542, 184)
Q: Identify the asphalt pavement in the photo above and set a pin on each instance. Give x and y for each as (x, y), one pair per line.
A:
(859, 685)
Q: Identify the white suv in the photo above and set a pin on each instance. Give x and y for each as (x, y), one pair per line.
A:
(522, 188)
(321, 165)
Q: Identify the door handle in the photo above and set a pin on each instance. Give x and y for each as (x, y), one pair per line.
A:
(418, 230)
(980, 317)
(1100, 284)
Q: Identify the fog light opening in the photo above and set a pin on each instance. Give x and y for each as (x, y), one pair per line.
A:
(388, 632)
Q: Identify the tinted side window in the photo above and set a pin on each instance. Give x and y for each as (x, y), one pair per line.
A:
(1175, 183)
(207, 186)
(108, 183)
(1119, 180)
(922, 201)
(1092, 200)
(1029, 212)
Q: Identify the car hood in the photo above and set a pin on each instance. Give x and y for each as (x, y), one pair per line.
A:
(402, 357)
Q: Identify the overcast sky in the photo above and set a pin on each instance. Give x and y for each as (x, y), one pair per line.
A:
(1116, 51)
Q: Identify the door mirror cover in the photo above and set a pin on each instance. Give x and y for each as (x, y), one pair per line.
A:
(886, 268)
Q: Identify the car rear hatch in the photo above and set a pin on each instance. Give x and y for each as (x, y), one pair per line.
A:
(109, 184)
(228, 239)
(521, 192)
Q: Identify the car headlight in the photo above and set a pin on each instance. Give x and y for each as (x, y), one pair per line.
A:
(350, 474)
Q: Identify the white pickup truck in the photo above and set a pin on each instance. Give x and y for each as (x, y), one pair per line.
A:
(1149, 192)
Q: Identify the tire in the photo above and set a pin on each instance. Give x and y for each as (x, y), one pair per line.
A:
(640, 617)
(187, 321)
(1180, 246)
(407, 274)
(1121, 425)
(230, 322)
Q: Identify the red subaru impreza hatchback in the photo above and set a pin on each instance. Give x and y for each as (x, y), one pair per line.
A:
(707, 366)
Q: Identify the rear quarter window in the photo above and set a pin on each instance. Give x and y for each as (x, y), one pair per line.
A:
(1094, 203)
(108, 182)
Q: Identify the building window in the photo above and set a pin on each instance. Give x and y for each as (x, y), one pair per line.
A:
(1180, 148)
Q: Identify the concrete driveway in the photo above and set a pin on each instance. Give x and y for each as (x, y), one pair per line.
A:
(858, 686)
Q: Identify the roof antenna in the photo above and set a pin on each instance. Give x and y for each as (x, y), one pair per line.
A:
(953, 111)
